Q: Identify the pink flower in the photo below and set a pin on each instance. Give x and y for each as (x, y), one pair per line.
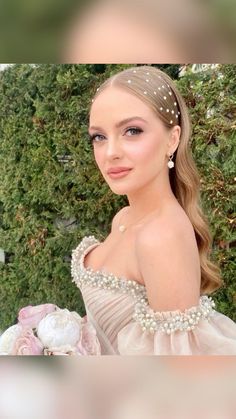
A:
(30, 316)
(88, 343)
(27, 344)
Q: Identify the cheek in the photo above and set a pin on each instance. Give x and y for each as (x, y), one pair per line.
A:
(98, 156)
(146, 152)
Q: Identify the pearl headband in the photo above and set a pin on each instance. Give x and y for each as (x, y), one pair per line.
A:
(170, 111)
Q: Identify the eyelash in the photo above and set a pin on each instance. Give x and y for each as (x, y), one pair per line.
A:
(138, 131)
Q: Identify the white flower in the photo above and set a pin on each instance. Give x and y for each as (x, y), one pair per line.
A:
(59, 328)
(8, 338)
(77, 316)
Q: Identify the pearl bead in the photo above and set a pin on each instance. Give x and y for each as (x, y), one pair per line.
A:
(122, 228)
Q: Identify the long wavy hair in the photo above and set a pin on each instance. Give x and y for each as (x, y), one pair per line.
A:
(159, 91)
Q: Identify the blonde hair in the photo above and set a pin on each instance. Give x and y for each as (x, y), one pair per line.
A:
(151, 85)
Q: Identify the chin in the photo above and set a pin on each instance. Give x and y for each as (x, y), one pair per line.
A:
(118, 191)
(122, 190)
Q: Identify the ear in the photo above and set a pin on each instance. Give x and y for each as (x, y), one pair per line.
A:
(174, 139)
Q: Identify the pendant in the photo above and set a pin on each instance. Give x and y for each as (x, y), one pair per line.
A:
(170, 164)
(122, 228)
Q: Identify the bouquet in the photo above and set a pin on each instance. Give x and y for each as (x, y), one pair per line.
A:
(49, 330)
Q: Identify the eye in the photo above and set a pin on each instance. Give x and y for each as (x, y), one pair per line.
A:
(94, 139)
(93, 136)
(137, 130)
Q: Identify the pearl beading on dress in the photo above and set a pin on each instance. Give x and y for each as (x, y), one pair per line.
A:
(149, 320)
(170, 321)
(100, 279)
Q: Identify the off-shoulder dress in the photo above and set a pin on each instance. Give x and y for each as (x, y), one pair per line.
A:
(125, 323)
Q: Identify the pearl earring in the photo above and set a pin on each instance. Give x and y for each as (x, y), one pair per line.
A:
(170, 163)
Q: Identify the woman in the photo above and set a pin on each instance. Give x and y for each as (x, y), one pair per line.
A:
(145, 286)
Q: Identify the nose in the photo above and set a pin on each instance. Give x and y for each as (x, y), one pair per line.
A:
(113, 149)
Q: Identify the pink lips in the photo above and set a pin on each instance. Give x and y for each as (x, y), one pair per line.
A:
(118, 172)
(118, 169)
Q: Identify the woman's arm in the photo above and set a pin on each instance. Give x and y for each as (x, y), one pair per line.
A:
(168, 264)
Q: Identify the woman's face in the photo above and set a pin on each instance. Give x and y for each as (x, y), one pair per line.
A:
(139, 144)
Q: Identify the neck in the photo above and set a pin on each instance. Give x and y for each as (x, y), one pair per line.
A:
(152, 197)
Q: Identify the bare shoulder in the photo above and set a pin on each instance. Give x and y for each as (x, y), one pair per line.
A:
(172, 225)
(117, 217)
(167, 256)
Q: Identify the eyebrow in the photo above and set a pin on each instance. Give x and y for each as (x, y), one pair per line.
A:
(124, 121)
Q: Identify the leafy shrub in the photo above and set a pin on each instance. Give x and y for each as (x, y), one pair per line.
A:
(52, 194)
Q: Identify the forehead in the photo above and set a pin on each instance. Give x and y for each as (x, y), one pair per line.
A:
(118, 103)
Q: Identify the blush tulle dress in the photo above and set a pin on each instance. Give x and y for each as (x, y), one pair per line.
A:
(119, 310)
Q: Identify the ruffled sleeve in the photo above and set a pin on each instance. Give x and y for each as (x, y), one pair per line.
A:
(199, 330)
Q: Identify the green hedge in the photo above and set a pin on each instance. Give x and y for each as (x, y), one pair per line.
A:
(52, 193)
